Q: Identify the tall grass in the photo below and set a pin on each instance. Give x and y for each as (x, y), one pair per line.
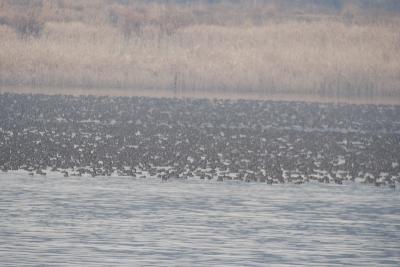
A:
(186, 48)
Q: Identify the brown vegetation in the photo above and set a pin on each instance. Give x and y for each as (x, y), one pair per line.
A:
(25, 22)
(245, 47)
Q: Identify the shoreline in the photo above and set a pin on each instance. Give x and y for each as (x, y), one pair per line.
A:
(122, 92)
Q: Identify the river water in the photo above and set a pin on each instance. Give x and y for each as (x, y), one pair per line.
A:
(115, 221)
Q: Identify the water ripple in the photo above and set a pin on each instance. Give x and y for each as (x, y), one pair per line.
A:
(51, 221)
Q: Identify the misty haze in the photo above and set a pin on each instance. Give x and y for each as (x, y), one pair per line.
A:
(199, 133)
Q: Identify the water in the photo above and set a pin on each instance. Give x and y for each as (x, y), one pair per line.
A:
(81, 221)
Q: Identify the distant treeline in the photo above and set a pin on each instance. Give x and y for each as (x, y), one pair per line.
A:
(388, 5)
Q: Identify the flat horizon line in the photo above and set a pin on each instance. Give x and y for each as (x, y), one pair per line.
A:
(204, 94)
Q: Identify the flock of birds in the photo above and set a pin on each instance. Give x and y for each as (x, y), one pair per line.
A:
(244, 140)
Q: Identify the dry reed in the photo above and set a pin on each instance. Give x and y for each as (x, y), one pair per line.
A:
(179, 48)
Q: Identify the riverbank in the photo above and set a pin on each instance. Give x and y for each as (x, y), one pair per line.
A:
(129, 92)
(329, 54)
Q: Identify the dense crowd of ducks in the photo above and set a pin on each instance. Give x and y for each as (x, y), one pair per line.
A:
(264, 141)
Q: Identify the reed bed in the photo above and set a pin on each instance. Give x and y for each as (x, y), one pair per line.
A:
(176, 47)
